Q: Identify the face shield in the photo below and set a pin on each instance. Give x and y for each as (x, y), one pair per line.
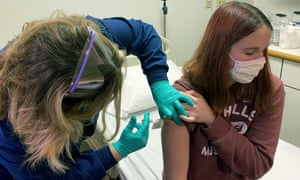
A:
(95, 63)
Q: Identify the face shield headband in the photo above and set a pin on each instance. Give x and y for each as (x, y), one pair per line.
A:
(94, 65)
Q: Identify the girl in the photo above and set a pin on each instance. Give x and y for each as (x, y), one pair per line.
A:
(233, 128)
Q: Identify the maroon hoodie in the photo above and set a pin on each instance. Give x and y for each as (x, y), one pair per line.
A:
(239, 144)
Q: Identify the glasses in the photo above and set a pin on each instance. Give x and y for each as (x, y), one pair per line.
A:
(94, 65)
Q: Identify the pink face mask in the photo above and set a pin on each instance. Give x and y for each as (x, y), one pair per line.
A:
(245, 71)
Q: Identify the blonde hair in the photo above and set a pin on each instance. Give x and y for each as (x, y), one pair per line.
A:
(36, 73)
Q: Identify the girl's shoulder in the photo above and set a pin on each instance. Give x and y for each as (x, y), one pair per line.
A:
(277, 82)
(182, 84)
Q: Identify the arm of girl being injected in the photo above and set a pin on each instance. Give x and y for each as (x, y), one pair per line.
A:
(176, 136)
(175, 148)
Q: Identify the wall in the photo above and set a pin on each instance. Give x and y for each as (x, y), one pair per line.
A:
(186, 20)
(14, 13)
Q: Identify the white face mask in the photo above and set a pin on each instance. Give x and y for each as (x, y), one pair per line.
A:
(245, 71)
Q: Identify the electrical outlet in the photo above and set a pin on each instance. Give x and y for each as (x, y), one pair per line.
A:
(208, 3)
(219, 2)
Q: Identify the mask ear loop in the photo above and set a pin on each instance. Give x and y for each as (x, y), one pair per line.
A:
(82, 67)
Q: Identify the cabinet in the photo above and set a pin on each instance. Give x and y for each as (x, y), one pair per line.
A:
(290, 128)
(276, 65)
(289, 72)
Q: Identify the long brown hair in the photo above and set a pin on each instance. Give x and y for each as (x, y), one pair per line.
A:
(208, 69)
(36, 73)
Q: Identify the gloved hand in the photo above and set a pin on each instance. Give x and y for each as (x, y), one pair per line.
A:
(134, 136)
(169, 100)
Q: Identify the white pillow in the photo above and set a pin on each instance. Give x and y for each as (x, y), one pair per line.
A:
(174, 72)
(136, 93)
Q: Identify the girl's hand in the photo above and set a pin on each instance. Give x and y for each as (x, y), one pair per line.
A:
(200, 112)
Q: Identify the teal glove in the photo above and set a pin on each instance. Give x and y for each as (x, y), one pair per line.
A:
(168, 100)
(134, 136)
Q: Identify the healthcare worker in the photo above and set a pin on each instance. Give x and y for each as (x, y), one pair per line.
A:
(141, 39)
(55, 77)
